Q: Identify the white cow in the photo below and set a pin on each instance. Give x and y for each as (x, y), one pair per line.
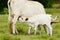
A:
(25, 8)
(34, 21)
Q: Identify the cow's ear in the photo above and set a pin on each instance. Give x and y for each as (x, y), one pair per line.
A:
(19, 17)
(26, 19)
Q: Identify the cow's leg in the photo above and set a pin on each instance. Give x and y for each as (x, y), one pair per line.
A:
(10, 24)
(14, 24)
(46, 29)
(29, 30)
(11, 16)
(39, 28)
(50, 29)
(35, 30)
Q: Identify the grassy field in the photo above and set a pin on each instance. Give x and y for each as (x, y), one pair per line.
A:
(23, 28)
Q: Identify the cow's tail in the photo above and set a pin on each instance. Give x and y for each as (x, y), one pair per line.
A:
(9, 17)
(55, 20)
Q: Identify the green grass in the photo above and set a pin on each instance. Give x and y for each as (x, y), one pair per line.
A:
(23, 28)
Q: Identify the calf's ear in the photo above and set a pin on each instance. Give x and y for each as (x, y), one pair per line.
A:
(26, 19)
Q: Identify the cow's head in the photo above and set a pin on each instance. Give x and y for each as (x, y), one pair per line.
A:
(23, 19)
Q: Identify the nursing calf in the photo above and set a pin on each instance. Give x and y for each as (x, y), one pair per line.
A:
(34, 21)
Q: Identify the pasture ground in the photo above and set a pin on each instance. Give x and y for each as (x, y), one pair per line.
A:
(23, 28)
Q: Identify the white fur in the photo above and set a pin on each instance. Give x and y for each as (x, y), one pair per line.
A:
(42, 19)
(23, 8)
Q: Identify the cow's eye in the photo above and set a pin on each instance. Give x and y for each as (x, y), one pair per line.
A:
(26, 19)
(22, 18)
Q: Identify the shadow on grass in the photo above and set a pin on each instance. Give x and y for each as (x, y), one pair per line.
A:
(22, 32)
